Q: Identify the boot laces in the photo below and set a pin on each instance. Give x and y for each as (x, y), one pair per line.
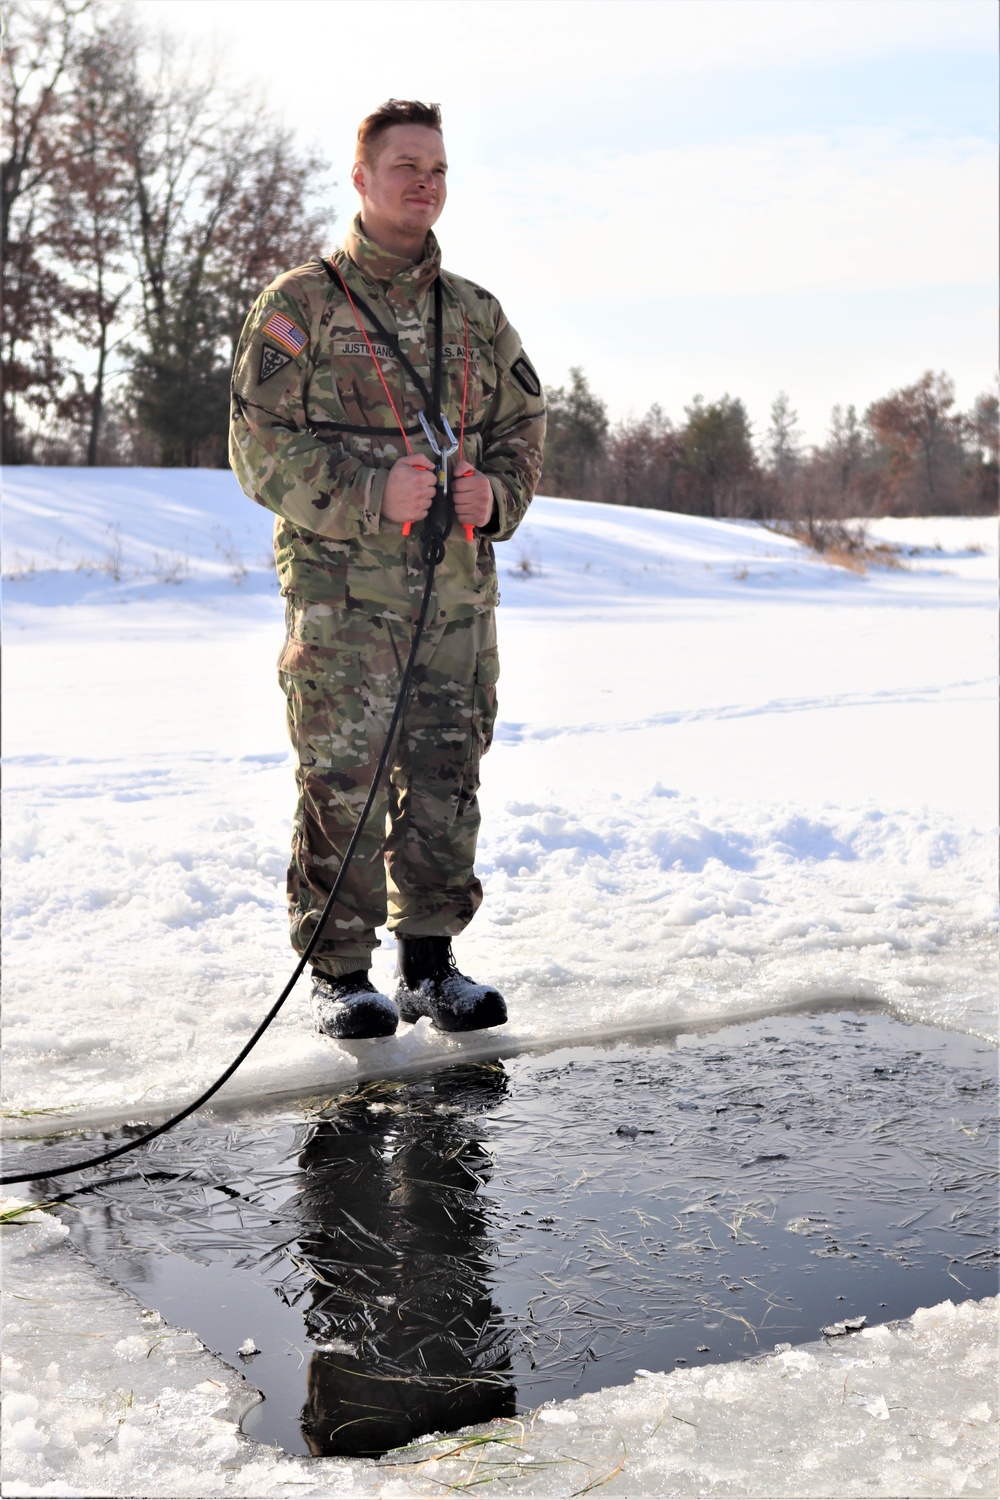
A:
(348, 984)
(433, 959)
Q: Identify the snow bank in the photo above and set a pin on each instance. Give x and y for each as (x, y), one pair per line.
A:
(129, 526)
(103, 1398)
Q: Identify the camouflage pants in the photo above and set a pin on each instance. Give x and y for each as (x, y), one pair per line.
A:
(340, 670)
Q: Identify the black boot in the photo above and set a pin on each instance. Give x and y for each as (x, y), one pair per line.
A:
(350, 1008)
(430, 985)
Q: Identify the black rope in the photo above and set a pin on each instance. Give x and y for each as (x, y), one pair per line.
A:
(432, 550)
(432, 400)
(438, 347)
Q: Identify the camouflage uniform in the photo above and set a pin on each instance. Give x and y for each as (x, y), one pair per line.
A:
(313, 438)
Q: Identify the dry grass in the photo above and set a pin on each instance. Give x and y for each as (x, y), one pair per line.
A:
(14, 1211)
(466, 1464)
(528, 564)
(19, 569)
(846, 546)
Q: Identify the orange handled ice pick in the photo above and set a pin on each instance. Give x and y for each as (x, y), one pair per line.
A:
(442, 455)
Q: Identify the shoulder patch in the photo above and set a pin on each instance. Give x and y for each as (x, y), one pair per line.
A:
(271, 361)
(285, 333)
(525, 376)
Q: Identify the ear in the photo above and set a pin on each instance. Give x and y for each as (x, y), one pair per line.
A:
(359, 178)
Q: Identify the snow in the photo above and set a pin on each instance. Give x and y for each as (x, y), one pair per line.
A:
(729, 777)
(132, 1407)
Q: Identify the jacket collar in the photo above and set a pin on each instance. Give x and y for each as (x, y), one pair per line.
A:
(392, 272)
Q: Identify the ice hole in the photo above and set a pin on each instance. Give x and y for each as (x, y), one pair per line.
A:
(419, 1254)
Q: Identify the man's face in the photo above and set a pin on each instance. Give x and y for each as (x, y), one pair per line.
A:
(404, 187)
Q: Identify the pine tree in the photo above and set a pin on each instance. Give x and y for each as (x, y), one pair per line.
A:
(575, 438)
(783, 441)
(718, 452)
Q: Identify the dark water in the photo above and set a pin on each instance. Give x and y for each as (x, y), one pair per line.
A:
(464, 1244)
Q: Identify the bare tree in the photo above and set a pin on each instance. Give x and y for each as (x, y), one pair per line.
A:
(981, 476)
(921, 439)
(94, 191)
(645, 460)
(269, 223)
(143, 212)
(221, 203)
(40, 43)
(845, 448)
(171, 127)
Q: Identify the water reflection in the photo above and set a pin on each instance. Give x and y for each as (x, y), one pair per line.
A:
(649, 1206)
(408, 1337)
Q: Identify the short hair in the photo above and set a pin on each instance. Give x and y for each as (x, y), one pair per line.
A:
(393, 112)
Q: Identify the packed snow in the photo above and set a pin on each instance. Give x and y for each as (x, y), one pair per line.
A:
(729, 777)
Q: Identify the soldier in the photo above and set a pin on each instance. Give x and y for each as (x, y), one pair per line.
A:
(336, 365)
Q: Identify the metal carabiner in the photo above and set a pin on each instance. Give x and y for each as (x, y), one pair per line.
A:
(443, 454)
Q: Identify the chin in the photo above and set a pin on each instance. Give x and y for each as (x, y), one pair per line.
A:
(421, 219)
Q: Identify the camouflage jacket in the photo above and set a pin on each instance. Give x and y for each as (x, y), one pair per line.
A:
(313, 434)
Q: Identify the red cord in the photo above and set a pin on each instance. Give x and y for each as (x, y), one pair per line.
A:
(465, 387)
(378, 367)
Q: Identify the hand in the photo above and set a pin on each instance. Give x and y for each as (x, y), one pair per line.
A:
(473, 495)
(409, 489)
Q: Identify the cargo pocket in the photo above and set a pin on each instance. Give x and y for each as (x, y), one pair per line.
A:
(484, 706)
(326, 717)
(328, 628)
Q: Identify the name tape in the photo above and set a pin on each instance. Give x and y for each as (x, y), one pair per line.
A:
(351, 348)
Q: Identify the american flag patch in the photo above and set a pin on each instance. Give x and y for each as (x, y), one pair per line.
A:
(284, 332)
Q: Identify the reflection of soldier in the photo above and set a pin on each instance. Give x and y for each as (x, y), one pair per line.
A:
(402, 1259)
(337, 363)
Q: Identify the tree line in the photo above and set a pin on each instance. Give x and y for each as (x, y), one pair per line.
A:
(144, 207)
(909, 453)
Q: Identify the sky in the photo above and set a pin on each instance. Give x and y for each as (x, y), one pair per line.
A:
(681, 196)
